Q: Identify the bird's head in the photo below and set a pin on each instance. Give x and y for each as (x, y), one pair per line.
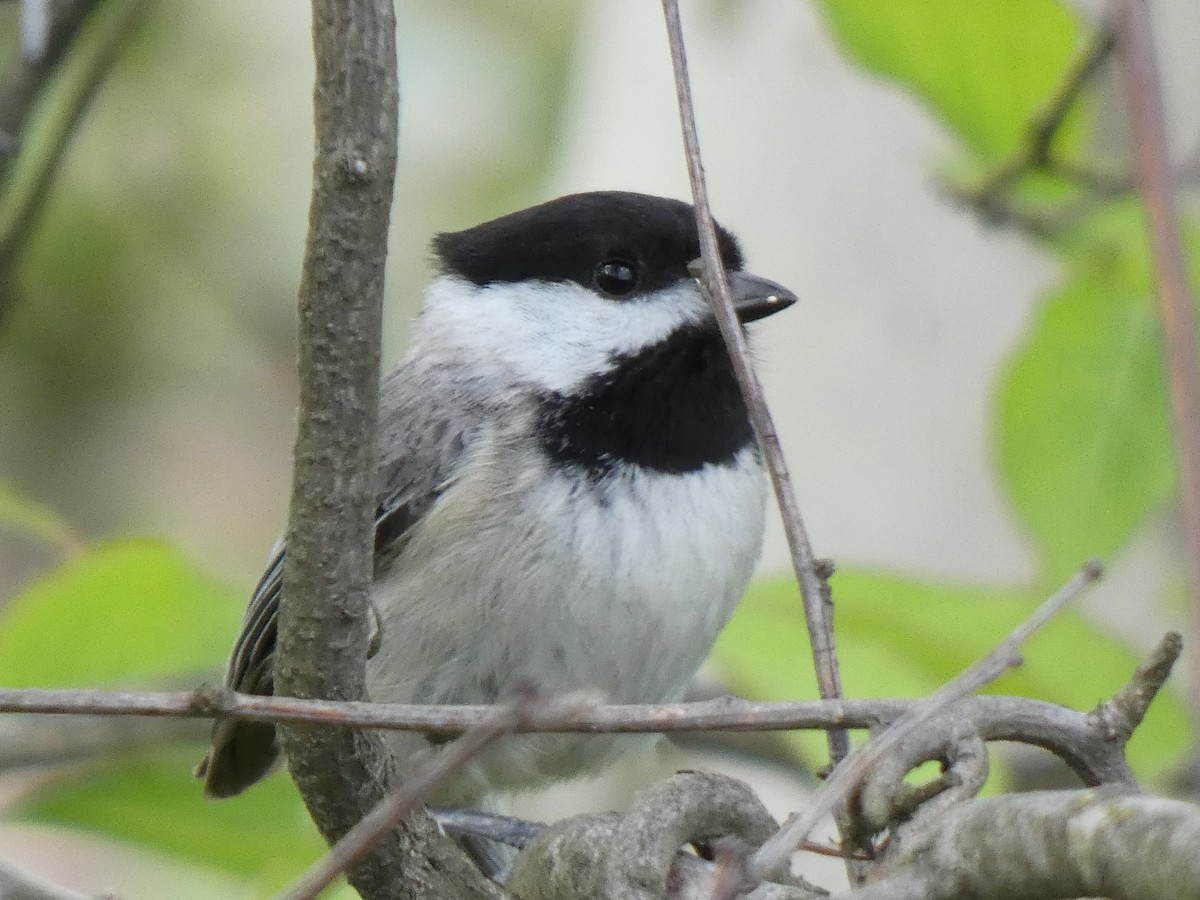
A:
(563, 290)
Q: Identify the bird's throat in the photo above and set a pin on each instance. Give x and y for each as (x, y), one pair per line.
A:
(674, 407)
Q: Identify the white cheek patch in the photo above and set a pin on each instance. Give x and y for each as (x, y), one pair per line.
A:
(555, 335)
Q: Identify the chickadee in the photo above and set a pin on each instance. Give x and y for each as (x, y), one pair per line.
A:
(569, 489)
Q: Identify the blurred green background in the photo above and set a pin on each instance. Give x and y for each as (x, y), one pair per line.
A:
(970, 411)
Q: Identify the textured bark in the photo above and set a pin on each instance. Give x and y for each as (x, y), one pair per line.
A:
(1047, 845)
(633, 855)
(343, 773)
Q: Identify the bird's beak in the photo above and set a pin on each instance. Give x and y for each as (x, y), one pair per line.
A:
(753, 297)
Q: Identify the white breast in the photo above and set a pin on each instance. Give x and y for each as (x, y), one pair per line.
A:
(522, 573)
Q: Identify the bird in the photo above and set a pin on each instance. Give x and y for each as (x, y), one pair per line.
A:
(570, 493)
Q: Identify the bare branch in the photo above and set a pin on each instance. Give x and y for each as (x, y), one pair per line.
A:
(1047, 845)
(1091, 743)
(846, 777)
(1082, 740)
(1135, 49)
(633, 855)
(1124, 712)
(1034, 152)
(400, 803)
(322, 630)
(716, 286)
(322, 623)
(994, 198)
(955, 739)
(1049, 220)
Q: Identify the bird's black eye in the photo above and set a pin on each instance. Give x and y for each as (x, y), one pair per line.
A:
(615, 277)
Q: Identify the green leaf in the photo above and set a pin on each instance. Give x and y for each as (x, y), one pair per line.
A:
(983, 67)
(135, 611)
(264, 835)
(904, 638)
(1083, 436)
(128, 611)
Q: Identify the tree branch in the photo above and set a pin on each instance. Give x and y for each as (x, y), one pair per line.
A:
(634, 854)
(1002, 718)
(1135, 49)
(343, 774)
(817, 609)
(1046, 845)
(1034, 151)
(845, 778)
(1125, 711)
(1039, 846)
(992, 198)
(1092, 744)
(356, 843)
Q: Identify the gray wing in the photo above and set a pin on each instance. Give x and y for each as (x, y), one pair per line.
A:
(420, 444)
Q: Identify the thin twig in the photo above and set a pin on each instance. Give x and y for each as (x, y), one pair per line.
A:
(400, 803)
(775, 853)
(727, 714)
(1175, 301)
(1122, 714)
(1034, 151)
(1050, 220)
(994, 199)
(1082, 740)
(820, 628)
(1058, 729)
